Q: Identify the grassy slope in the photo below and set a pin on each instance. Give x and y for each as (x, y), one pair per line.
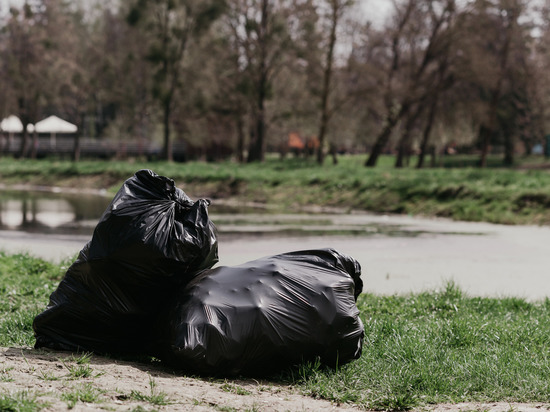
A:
(507, 196)
(434, 347)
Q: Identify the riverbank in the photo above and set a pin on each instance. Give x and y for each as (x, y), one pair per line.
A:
(507, 196)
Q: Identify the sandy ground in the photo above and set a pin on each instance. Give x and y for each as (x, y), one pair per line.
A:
(46, 373)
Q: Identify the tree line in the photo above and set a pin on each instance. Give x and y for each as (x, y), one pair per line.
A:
(233, 78)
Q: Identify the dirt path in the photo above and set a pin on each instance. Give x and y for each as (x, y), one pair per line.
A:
(124, 386)
(118, 385)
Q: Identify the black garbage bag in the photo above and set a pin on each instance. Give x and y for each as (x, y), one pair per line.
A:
(151, 239)
(266, 315)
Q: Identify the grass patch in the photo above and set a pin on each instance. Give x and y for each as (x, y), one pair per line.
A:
(5, 375)
(442, 347)
(23, 401)
(433, 347)
(79, 371)
(78, 366)
(85, 393)
(26, 283)
(154, 397)
(233, 388)
(48, 376)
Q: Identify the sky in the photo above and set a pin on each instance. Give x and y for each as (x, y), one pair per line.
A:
(376, 10)
(5, 4)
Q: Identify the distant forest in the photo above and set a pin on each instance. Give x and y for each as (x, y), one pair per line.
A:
(240, 78)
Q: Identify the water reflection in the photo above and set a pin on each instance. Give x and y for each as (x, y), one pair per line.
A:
(78, 214)
(44, 212)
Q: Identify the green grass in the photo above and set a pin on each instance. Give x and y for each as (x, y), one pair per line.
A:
(233, 388)
(154, 397)
(5, 375)
(25, 286)
(23, 401)
(442, 347)
(80, 371)
(458, 190)
(84, 393)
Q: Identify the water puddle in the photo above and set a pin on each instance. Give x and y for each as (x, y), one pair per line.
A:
(295, 225)
(50, 213)
(77, 214)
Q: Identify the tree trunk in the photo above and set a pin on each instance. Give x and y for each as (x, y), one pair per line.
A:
(495, 98)
(433, 156)
(384, 136)
(380, 143)
(327, 75)
(34, 149)
(403, 148)
(404, 145)
(426, 134)
(167, 153)
(9, 142)
(240, 139)
(256, 150)
(24, 142)
(333, 154)
(528, 147)
(322, 132)
(76, 148)
(485, 138)
(508, 150)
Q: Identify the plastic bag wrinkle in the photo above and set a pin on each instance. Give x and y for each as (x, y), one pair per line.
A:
(277, 311)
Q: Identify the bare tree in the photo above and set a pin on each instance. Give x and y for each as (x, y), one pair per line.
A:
(436, 33)
(503, 18)
(171, 25)
(336, 9)
(261, 36)
(394, 111)
(25, 65)
(415, 47)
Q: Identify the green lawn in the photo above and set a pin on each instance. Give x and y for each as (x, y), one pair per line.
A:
(441, 347)
(433, 347)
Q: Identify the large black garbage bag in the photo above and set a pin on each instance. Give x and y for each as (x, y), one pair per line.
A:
(150, 239)
(266, 315)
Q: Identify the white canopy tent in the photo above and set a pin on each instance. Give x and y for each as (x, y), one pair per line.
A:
(11, 124)
(54, 125)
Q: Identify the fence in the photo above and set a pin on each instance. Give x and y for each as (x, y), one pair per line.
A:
(63, 146)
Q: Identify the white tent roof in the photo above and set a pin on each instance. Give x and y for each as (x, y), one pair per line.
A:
(11, 124)
(54, 124)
